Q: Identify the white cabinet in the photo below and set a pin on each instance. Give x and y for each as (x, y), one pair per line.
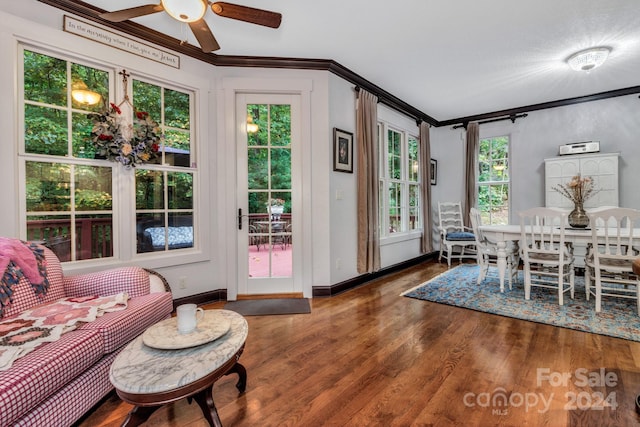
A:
(603, 168)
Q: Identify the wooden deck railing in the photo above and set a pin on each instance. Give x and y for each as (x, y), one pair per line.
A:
(94, 237)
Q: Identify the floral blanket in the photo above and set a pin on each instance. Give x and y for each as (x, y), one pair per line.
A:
(22, 334)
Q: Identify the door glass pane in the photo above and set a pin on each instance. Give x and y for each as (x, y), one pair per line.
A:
(269, 191)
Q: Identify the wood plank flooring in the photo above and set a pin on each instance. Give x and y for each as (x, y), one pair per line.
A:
(369, 357)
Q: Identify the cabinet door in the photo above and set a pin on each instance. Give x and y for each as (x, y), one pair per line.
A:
(604, 171)
(559, 172)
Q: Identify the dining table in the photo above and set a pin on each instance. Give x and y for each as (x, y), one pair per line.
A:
(503, 234)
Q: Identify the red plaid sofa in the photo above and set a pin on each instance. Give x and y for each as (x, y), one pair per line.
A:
(58, 382)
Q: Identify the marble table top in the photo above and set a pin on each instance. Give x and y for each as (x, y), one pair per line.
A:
(140, 369)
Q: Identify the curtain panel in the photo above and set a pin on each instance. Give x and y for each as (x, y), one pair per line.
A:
(368, 183)
(471, 155)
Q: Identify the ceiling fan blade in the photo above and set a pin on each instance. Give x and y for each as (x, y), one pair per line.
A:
(207, 41)
(247, 14)
(133, 12)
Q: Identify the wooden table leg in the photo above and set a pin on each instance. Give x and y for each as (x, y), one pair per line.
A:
(242, 376)
(139, 415)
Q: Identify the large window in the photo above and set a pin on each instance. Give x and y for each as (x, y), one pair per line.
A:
(493, 180)
(399, 181)
(72, 195)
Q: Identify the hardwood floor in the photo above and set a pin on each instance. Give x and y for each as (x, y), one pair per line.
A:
(369, 357)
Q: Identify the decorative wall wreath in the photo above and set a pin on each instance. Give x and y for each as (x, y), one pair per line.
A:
(129, 144)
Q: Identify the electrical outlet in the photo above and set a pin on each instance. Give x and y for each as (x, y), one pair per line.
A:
(182, 282)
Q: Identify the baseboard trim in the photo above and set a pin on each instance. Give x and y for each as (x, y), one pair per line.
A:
(335, 289)
(317, 291)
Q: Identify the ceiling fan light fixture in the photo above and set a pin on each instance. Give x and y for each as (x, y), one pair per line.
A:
(185, 10)
(588, 59)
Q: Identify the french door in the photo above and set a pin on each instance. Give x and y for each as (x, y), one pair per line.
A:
(267, 187)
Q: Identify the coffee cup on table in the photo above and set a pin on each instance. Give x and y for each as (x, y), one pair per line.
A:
(188, 316)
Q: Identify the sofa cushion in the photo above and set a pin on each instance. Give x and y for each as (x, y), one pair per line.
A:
(24, 297)
(41, 373)
(120, 327)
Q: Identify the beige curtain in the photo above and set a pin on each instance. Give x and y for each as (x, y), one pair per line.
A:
(471, 155)
(426, 243)
(368, 207)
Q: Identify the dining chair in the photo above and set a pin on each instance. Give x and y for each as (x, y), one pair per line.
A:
(453, 233)
(487, 252)
(610, 256)
(547, 258)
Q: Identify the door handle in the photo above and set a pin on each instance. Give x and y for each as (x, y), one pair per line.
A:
(239, 218)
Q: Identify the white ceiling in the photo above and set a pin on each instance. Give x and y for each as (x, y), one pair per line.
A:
(449, 59)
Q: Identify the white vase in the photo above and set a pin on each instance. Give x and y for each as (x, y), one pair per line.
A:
(276, 210)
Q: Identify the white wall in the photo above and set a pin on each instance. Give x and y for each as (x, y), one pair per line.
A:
(615, 122)
(330, 197)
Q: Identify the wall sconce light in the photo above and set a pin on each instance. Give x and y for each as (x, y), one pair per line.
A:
(251, 127)
(81, 94)
(588, 59)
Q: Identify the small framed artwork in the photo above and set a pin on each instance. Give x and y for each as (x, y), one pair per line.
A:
(342, 151)
(434, 172)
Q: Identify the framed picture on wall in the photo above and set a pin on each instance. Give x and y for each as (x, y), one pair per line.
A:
(434, 172)
(342, 151)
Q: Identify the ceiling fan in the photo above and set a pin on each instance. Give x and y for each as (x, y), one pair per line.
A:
(192, 12)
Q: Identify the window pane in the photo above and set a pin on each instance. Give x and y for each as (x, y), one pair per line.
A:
(149, 189)
(45, 130)
(146, 223)
(395, 207)
(280, 168)
(176, 109)
(260, 115)
(280, 125)
(94, 236)
(93, 188)
(414, 168)
(147, 97)
(180, 189)
(176, 148)
(45, 79)
(83, 146)
(48, 187)
(257, 168)
(91, 79)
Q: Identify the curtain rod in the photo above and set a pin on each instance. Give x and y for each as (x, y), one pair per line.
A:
(512, 117)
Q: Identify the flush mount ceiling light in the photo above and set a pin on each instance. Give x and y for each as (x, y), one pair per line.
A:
(588, 59)
(185, 11)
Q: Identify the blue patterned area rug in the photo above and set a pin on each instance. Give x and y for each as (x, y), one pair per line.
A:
(457, 287)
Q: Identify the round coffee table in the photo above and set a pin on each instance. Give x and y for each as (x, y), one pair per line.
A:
(149, 378)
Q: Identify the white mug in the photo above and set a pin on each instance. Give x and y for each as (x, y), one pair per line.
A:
(188, 317)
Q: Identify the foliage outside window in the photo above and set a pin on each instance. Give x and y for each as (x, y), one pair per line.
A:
(69, 189)
(68, 195)
(493, 180)
(164, 192)
(269, 157)
(399, 181)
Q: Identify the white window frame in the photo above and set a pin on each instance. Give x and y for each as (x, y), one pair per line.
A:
(123, 208)
(480, 184)
(385, 181)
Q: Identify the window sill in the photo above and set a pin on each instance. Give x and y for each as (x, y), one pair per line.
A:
(401, 237)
